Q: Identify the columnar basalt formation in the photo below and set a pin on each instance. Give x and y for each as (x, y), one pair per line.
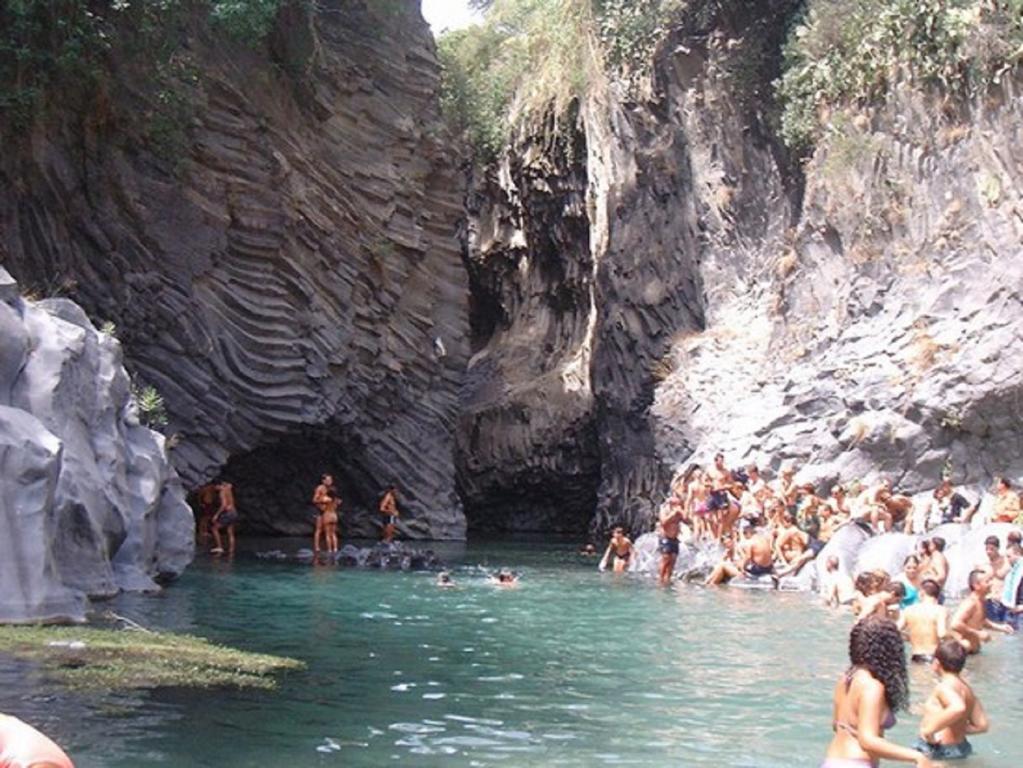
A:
(672, 192)
(289, 278)
(89, 504)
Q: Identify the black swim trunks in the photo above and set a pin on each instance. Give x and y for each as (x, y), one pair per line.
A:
(756, 571)
(815, 545)
(667, 546)
(921, 658)
(230, 517)
(958, 751)
(718, 500)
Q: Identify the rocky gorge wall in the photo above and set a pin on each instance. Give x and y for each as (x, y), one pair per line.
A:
(89, 504)
(675, 187)
(278, 257)
(857, 315)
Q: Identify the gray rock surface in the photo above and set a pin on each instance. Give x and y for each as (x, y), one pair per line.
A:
(89, 504)
(592, 257)
(287, 273)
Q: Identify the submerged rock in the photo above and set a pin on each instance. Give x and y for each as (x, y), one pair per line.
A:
(396, 556)
(89, 504)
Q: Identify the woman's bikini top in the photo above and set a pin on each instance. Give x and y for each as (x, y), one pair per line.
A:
(886, 724)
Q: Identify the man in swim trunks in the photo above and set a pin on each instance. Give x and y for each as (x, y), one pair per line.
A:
(226, 517)
(752, 558)
(389, 509)
(670, 520)
(996, 566)
(952, 710)
(719, 503)
(970, 624)
(621, 547)
(22, 746)
(924, 623)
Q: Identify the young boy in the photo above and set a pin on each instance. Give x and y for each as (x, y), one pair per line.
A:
(621, 547)
(952, 711)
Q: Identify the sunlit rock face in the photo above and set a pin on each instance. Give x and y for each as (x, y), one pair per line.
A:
(592, 256)
(89, 504)
(290, 279)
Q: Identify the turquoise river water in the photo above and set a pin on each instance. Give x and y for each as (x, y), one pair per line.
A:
(572, 668)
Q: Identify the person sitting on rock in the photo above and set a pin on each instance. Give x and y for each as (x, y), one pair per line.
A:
(1007, 503)
(785, 486)
(752, 558)
(794, 548)
(839, 503)
(226, 517)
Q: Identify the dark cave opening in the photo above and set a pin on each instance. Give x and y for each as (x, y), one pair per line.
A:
(274, 486)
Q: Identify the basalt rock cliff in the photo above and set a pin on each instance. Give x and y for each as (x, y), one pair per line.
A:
(278, 255)
(668, 282)
(89, 504)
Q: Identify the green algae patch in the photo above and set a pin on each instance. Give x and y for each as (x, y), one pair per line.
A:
(92, 658)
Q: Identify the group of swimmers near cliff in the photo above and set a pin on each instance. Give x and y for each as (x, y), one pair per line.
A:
(785, 524)
(217, 516)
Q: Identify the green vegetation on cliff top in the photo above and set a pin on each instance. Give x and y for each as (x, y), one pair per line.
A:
(87, 657)
(854, 53)
(530, 59)
(47, 43)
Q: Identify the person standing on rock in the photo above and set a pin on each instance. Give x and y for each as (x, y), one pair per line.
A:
(670, 520)
(389, 509)
(321, 500)
(226, 517)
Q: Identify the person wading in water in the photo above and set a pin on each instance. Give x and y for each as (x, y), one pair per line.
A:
(867, 697)
(226, 517)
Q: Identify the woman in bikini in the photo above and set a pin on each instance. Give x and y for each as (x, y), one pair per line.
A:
(331, 504)
(867, 697)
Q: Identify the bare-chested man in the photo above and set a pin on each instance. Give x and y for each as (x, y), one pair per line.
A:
(670, 522)
(620, 547)
(753, 557)
(794, 548)
(389, 509)
(206, 496)
(952, 711)
(925, 622)
(719, 505)
(226, 517)
(997, 567)
(970, 624)
(321, 500)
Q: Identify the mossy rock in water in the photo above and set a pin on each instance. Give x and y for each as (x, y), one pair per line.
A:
(87, 657)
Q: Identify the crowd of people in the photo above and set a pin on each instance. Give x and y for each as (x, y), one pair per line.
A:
(783, 525)
(217, 516)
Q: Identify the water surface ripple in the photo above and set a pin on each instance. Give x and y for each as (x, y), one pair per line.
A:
(573, 668)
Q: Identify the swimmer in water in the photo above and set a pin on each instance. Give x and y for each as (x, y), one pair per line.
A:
(621, 546)
(952, 711)
(22, 746)
(970, 624)
(444, 580)
(866, 698)
(504, 578)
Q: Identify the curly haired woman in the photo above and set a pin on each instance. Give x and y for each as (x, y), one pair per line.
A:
(867, 697)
